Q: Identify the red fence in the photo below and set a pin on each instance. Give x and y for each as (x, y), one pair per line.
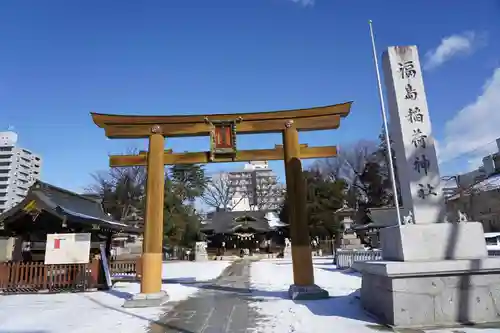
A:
(21, 277)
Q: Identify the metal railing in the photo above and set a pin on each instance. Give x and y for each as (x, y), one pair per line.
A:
(345, 258)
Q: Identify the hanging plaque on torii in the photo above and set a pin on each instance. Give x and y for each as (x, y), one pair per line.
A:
(223, 138)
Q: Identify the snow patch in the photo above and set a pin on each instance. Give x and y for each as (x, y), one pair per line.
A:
(101, 311)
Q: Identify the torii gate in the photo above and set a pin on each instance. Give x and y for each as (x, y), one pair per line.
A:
(223, 130)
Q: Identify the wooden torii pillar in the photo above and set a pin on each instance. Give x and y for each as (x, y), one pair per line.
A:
(222, 128)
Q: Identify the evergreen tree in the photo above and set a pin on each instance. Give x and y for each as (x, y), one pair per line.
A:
(123, 193)
(183, 184)
(382, 158)
(323, 197)
(189, 181)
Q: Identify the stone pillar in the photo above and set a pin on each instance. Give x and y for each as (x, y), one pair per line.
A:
(433, 273)
(303, 274)
(424, 236)
(151, 261)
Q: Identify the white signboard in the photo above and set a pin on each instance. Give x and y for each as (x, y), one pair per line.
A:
(67, 249)
(411, 131)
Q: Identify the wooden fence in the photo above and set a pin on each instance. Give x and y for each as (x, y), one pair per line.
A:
(36, 277)
(29, 277)
(125, 269)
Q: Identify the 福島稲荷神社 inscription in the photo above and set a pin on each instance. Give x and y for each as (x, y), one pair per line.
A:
(416, 160)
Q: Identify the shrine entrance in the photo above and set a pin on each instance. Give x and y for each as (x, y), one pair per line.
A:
(223, 130)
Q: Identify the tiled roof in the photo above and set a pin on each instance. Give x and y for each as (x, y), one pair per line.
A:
(228, 222)
(73, 205)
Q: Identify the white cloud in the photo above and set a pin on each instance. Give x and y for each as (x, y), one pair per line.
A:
(450, 47)
(305, 3)
(472, 132)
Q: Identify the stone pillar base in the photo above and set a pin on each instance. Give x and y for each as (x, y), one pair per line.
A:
(433, 242)
(312, 292)
(147, 300)
(432, 293)
(201, 257)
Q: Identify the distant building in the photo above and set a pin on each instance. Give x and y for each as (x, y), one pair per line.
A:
(19, 169)
(255, 188)
(477, 193)
(481, 203)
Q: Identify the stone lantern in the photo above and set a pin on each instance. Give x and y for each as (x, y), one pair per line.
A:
(348, 239)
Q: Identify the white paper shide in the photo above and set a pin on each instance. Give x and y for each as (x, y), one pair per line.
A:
(411, 132)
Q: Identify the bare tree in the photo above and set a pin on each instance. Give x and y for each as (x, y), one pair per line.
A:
(349, 165)
(349, 162)
(221, 192)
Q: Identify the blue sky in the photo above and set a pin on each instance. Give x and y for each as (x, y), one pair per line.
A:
(59, 60)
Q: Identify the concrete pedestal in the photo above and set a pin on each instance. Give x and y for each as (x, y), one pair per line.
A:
(200, 253)
(350, 241)
(147, 300)
(436, 241)
(432, 293)
(312, 292)
(432, 275)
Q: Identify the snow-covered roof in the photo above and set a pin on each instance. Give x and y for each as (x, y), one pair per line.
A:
(489, 184)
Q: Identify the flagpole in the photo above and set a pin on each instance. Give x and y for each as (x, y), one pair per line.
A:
(386, 127)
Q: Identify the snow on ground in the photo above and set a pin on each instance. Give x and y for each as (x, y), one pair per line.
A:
(100, 311)
(271, 278)
(341, 313)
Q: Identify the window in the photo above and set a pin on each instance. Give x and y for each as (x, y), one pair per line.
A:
(491, 241)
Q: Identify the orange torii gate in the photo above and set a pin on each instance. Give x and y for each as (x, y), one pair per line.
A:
(223, 130)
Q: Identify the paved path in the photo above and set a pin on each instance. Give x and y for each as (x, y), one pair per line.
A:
(221, 306)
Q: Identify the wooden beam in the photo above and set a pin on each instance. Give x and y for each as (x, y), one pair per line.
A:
(144, 152)
(244, 127)
(302, 145)
(104, 120)
(170, 158)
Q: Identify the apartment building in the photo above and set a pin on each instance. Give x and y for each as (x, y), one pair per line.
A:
(19, 169)
(255, 187)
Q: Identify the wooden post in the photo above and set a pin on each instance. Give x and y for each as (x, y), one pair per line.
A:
(153, 228)
(303, 274)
